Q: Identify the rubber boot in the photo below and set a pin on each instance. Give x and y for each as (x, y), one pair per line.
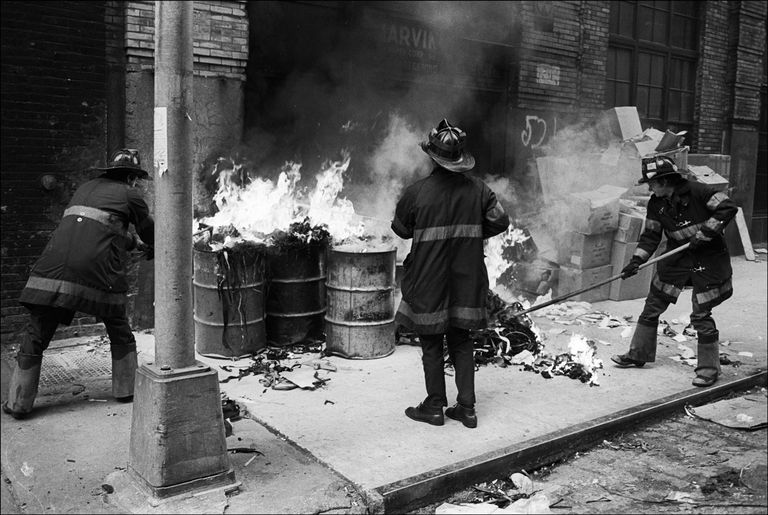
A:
(643, 344)
(708, 366)
(22, 389)
(123, 374)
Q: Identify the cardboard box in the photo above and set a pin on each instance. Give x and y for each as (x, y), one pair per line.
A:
(585, 250)
(630, 227)
(706, 175)
(635, 287)
(595, 212)
(572, 279)
(720, 163)
(624, 122)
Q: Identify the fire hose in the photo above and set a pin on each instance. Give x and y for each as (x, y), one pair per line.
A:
(601, 283)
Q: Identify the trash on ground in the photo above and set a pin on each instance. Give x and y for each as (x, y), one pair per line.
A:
(749, 412)
(686, 352)
(725, 359)
(627, 332)
(514, 495)
(745, 354)
(683, 497)
(522, 482)
(280, 370)
(538, 503)
(680, 338)
(245, 450)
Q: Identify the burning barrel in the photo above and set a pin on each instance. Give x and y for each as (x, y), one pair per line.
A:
(360, 321)
(229, 301)
(296, 293)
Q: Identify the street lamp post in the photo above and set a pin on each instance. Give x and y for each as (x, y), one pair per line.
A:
(178, 442)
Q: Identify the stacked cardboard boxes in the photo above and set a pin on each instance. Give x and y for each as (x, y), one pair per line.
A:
(585, 251)
(631, 225)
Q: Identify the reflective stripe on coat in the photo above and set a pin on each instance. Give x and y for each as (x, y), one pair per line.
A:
(445, 282)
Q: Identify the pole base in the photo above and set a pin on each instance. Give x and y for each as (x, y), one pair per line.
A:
(178, 443)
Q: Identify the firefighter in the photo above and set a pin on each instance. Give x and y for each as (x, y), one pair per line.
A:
(447, 214)
(83, 269)
(683, 211)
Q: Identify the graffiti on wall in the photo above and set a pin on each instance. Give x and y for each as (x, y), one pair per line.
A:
(537, 130)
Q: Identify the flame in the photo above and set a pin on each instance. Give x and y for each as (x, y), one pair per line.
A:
(582, 351)
(260, 207)
(495, 262)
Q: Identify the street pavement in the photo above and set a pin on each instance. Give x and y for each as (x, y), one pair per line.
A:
(347, 447)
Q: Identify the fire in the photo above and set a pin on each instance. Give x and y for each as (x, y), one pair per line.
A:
(495, 260)
(260, 207)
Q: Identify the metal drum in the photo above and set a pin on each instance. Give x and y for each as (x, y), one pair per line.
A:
(296, 293)
(229, 301)
(360, 320)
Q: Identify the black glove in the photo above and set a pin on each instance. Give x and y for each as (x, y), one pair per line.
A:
(631, 269)
(699, 239)
(147, 250)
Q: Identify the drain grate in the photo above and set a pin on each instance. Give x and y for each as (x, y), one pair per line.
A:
(72, 365)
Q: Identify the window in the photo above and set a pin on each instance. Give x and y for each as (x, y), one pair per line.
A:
(652, 54)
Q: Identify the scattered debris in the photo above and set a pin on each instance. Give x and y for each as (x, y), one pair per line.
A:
(245, 450)
(514, 495)
(26, 469)
(278, 376)
(745, 354)
(748, 412)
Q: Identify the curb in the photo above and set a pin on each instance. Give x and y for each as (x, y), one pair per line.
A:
(433, 486)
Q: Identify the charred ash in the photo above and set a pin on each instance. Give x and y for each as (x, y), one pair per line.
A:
(512, 339)
(269, 363)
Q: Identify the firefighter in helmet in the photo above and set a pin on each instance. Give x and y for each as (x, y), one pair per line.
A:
(83, 269)
(447, 215)
(684, 211)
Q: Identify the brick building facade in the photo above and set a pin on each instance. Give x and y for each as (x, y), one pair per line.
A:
(77, 82)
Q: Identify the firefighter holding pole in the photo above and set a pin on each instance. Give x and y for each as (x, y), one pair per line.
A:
(686, 212)
(83, 268)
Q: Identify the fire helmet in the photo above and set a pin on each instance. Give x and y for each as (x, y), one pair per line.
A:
(446, 147)
(657, 167)
(126, 160)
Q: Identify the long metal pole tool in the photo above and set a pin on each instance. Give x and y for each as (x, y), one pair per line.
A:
(606, 281)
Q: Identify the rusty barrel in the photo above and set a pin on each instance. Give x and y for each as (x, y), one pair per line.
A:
(295, 293)
(360, 320)
(228, 288)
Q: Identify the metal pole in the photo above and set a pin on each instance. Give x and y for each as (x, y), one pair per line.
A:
(606, 281)
(174, 326)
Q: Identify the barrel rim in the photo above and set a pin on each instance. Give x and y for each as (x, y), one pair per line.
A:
(379, 249)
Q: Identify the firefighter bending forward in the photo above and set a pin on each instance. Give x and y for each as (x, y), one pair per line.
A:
(83, 269)
(448, 214)
(684, 211)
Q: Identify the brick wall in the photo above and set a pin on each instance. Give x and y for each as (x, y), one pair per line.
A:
(712, 103)
(53, 106)
(220, 37)
(571, 36)
(550, 41)
(594, 18)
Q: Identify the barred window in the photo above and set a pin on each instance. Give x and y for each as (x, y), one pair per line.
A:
(652, 56)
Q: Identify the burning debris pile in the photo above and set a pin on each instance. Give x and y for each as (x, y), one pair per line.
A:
(515, 340)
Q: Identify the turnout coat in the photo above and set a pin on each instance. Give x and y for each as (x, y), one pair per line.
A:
(445, 282)
(707, 268)
(83, 266)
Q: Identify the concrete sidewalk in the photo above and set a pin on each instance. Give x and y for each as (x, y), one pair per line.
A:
(347, 447)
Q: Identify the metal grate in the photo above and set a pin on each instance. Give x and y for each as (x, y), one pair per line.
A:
(72, 365)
